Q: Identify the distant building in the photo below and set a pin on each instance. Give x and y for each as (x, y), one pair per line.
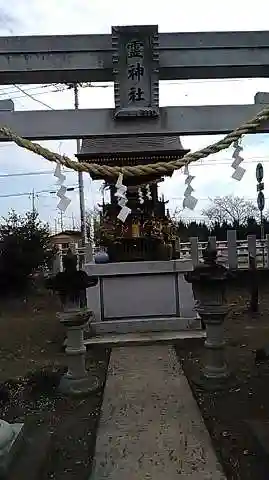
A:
(66, 239)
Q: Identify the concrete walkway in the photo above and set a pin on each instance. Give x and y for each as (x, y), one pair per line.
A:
(151, 427)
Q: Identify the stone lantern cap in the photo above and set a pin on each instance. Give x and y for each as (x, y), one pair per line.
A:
(71, 280)
(64, 282)
(208, 281)
(209, 271)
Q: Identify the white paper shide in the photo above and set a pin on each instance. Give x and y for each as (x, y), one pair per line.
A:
(64, 200)
(239, 172)
(189, 201)
(122, 199)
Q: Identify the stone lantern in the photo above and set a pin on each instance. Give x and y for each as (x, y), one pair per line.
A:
(71, 285)
(209, 281)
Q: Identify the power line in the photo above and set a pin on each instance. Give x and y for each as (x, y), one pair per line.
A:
(33, 98)
(62, 87)
(176, 82)
(20, 194)
(25, 174)
(209, 200)
(56, 88)
(11, 90)
(36, 172)
(216, 163)
(16, 97)
(227, 163)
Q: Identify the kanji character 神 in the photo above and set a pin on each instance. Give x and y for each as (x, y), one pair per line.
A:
(135, 71)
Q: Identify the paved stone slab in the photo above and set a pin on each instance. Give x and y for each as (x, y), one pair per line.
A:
(151, 427)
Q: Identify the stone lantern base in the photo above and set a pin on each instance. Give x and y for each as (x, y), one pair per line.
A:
(77, 381)
(214, 384)
(78, 386)
(215, 374)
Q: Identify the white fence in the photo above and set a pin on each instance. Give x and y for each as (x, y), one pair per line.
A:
(233, 253)
(84, 256)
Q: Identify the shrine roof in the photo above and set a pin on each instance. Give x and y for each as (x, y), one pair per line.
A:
(131, 148)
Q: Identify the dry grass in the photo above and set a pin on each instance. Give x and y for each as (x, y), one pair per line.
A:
(31, 338)
(30, 334)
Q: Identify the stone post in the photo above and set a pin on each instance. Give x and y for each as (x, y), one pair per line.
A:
(56, 266)
(71, 285)
(232, 249)
(208, 280)
(194, 250)
(88, 253)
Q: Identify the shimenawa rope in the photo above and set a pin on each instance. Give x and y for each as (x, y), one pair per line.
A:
(130, 171)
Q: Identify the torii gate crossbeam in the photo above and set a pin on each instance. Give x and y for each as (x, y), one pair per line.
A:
(75, 58)
(182, 120)
(84, 58)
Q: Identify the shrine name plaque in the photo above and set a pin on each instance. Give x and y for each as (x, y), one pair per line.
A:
(136, 71)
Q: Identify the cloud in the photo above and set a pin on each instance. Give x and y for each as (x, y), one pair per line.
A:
(8, 21)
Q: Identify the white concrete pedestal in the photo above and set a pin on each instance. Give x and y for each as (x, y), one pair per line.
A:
(145, 292)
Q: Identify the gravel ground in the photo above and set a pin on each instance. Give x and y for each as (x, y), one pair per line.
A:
(227, 413)
(31, 339)
(31, 362)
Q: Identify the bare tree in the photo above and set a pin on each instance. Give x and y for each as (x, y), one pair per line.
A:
(230, 209)
(176, 214)
(93, 224)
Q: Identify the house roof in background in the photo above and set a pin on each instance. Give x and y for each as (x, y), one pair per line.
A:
(71, 233)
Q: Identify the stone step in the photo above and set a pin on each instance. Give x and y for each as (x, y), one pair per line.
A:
(125, 339)
(144, 325)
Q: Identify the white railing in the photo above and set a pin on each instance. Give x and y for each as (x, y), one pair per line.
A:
(233, 253)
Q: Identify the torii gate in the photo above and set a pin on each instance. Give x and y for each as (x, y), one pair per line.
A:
(79, 58)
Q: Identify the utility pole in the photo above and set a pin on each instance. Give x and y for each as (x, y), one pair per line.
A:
(80, 181)
(33, 195)
(261, 204)
(73, 222)
(62, 220)
(33, 202)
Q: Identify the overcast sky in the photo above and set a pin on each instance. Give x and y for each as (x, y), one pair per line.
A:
(33, 17)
